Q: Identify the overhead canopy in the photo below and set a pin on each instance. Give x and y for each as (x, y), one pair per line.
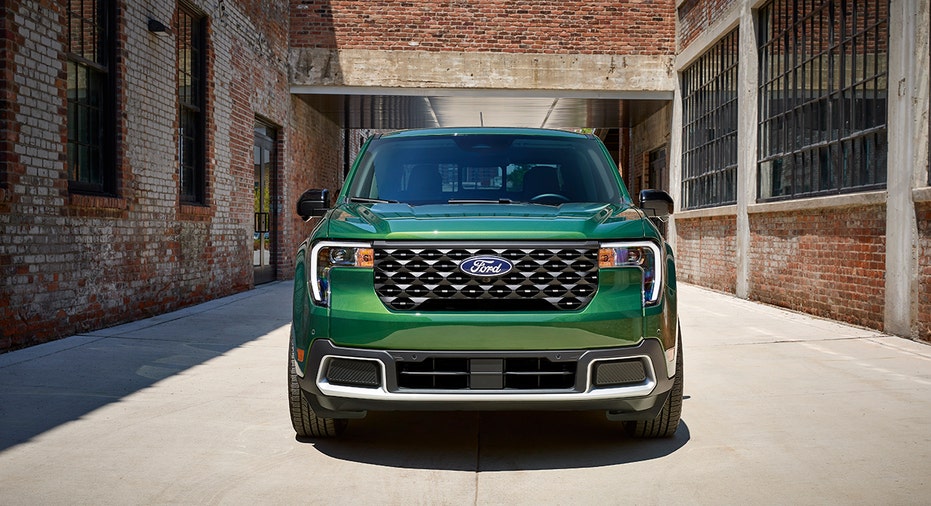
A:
(421, 108)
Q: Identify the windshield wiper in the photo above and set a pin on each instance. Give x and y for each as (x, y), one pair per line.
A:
(480, 201)
(366, 200)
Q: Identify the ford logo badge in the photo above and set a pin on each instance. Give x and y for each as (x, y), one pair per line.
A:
(486, 266)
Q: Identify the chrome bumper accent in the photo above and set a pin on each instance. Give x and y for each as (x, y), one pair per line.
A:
(585, 393)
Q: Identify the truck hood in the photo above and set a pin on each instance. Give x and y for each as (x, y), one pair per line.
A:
(575, 221)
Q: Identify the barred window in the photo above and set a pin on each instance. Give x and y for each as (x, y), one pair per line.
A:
(90, 122)
(823, 87)
(190, 32)
(709, 112)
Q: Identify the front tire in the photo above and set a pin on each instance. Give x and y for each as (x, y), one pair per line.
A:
(306, 423)
(665, 425)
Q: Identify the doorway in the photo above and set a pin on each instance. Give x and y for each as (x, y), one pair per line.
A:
(264, 237)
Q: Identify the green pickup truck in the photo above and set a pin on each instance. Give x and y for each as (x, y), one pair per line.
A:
(485, 269)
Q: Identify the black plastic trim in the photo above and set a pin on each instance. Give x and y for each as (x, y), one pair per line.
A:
(622, 408)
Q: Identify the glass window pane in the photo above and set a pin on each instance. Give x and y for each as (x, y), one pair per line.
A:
(190, 50)
(821, 127)
(88, 116)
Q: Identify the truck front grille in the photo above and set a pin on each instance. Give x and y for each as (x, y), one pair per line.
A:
(462, 373)
(544, 277)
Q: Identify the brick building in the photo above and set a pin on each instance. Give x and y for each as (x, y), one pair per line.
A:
(129, 135)
(151, 153)
(800, 156)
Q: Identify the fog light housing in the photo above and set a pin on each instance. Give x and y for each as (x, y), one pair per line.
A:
(353, 373)
(618, 373)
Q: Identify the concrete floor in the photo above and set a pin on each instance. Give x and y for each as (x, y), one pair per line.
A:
(190, 408)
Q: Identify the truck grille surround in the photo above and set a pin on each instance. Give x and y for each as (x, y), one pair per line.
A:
(543, 277)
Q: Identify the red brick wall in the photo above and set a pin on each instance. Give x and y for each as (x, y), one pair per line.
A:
(697, 15)
(706, 252)
(923, 213)
(73, 263)
(627, 27)
(829, 263)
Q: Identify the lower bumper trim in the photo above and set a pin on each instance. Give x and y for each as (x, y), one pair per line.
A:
(627, 401)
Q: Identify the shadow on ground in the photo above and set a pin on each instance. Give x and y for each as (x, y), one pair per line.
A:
(494, 441)
(50, 385)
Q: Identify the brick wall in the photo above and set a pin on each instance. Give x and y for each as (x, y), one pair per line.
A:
(71, 263)
(706, 252)
(32, 163)
(628, 27)
(695, 16)
(923, 213)
(829, 263)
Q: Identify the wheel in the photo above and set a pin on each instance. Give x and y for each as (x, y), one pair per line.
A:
(667, 422)
(306, 423)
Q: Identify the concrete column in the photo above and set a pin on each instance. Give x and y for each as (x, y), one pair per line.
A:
(906, 119)
(675, 158)
(747, 128)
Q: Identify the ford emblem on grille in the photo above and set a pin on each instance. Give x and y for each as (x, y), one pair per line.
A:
(486, 266)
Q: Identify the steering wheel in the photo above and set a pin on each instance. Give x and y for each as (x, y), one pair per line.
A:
(554, 196)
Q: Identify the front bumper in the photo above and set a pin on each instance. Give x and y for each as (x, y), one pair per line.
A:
(375, 384)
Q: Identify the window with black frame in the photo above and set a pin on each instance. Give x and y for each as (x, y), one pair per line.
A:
(822, 99)
(191, 39)
(91, 168)
(709, 131)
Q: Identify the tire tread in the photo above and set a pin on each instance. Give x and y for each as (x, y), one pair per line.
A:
(666, 424)
(305, 421)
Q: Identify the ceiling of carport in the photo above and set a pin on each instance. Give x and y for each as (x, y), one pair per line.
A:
(409, 110)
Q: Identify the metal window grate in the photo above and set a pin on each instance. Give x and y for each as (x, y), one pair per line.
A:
(709, 103)
(822, 100)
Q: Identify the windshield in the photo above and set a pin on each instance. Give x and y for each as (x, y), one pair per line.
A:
(478, 168)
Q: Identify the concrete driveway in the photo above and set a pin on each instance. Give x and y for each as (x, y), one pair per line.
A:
(190, 408)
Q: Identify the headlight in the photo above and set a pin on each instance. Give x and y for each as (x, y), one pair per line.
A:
(644, 255)
(328, 255)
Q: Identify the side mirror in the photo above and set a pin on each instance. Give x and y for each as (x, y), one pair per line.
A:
(656, 203)
(313, 203)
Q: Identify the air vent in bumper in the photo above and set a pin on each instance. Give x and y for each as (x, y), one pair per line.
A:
(462, 373)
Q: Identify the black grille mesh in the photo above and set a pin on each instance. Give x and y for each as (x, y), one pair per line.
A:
(512, 373)
(544, 278)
